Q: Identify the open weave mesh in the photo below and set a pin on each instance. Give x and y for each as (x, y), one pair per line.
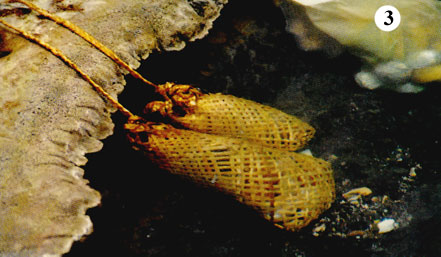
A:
(232, 116)
(289, 189)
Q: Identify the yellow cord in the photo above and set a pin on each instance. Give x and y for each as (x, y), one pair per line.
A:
(69, 62)
(86, 36)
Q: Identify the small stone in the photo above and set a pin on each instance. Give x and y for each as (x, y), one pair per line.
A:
(367, 80)
(306, 152)
(357, 193)
(412, 172)
(386, 225)
(356, 233)
(409, 88)
(318, 229)
(423, 59)
(393, 71)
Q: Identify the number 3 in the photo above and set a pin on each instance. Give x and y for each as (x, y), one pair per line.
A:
(387, 18)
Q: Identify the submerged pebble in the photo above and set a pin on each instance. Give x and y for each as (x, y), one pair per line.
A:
(386, 225)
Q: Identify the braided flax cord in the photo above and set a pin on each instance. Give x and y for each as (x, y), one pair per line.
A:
(288, 189)
(213, 113)
(228, 115)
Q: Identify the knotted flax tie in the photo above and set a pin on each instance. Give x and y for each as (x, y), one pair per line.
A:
(231, 116)
(245, 150)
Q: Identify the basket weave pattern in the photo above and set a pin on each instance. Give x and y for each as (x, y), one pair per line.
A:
(289, 189)
(231, 116)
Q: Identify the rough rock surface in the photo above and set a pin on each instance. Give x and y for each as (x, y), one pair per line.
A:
(50, 118)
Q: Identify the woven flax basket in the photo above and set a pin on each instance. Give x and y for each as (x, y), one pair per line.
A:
(232, 116)
(288, 189)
